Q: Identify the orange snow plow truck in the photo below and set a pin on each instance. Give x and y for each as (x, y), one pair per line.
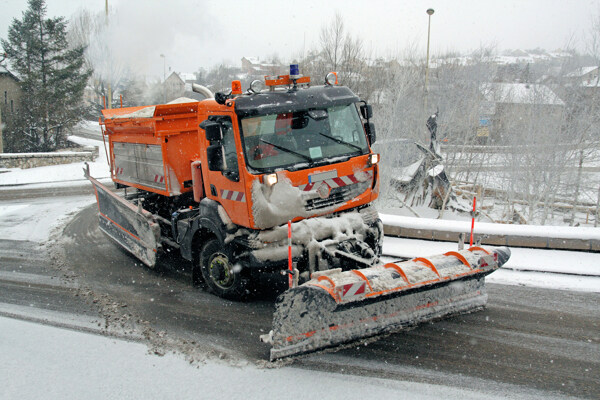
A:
(280, 178)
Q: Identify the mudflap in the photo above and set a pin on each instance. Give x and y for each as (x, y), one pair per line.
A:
(338, 307)
(133, 228)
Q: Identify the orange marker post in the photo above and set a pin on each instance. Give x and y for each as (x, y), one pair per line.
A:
(473, 220)
(290, 267)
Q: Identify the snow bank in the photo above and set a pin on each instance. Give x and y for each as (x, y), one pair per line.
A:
(34, 219)
(553, 269)
(57, 175)
(483, 228)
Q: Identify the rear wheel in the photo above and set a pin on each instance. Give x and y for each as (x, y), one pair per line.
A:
(224, 277)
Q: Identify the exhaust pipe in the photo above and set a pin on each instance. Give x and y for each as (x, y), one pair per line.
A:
(203, 90)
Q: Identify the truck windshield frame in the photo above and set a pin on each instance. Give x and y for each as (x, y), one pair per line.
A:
(302, 138)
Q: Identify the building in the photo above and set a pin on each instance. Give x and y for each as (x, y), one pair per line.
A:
(585, 77)
(10, 90)
(180, 85)
(254, 67)
(173, 87)
(507, 106)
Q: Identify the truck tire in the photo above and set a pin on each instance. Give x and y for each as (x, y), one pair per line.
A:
(222, 276)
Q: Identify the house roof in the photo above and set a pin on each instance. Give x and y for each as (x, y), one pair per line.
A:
(5, 71)
(174, 76)
(187, 76)
(252, 60)
(579, 72)
(520, 93)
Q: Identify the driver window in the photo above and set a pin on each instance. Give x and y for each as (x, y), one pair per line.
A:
(343, 123)
(231, 162)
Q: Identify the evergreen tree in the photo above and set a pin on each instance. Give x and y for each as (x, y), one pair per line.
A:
(53, 79)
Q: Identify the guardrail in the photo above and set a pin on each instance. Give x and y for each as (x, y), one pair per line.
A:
(545, 237)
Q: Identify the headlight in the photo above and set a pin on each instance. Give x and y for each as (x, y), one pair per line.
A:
(331, 78)
(257, 86)
(373, 159)
(270, 179)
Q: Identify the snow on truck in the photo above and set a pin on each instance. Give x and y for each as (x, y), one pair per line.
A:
(277, 178)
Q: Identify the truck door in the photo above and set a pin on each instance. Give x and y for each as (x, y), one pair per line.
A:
(227, 186)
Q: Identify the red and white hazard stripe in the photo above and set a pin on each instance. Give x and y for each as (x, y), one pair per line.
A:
(335, 182)
(118, 171)
(159, 179)
(352, 290)
(233, 195)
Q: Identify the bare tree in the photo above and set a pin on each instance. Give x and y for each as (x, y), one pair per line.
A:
(93, 31)
(332, 39)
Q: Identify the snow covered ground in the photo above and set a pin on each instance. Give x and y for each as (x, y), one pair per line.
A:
(44, 362)
(530, 267)
(59, 175)
(551, 269)
(48, 362)
(44, 215)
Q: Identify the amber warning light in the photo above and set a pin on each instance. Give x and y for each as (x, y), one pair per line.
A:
(236, 87)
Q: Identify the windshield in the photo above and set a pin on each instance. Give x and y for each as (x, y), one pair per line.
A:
(294, 138)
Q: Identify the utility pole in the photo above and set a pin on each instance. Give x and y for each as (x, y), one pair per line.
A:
(109, 97)
(430, 12)
(164, 77)
(1, 141)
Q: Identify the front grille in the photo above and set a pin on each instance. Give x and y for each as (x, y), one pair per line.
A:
(337, 196)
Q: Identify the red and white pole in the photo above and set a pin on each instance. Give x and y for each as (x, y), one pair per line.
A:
(290, 267)
(473, 220)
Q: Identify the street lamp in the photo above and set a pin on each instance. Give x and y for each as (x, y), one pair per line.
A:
(164, 77)
(430, 12)
(109, 63)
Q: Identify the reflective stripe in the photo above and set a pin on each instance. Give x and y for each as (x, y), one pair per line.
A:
(336, 182)
(353, 289)
(233, 195)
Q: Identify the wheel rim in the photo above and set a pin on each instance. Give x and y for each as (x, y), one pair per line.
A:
(221, 271)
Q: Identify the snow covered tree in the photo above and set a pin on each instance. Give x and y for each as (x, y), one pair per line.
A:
(53, 78)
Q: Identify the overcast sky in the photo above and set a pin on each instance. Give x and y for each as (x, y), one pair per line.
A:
(196, 33)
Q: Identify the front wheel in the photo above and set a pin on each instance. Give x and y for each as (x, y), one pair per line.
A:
(223, 276)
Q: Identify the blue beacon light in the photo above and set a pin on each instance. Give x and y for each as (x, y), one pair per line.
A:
(294, 71)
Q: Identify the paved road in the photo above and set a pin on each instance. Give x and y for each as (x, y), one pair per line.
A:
(530, 340)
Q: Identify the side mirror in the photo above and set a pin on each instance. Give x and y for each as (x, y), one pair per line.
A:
(370, 131)
(366, 111)
(216, 157)
(213, 130)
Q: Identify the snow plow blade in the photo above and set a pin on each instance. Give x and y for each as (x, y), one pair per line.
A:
(337, 307)
(131, 227)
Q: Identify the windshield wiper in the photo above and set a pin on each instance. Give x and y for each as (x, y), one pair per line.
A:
(307, 158)
(340, 141)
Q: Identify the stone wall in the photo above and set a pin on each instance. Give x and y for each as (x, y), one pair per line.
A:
(32, 160)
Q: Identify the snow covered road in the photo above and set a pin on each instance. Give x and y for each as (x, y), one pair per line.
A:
(42, 362)
(515, 346)
(531, 342)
